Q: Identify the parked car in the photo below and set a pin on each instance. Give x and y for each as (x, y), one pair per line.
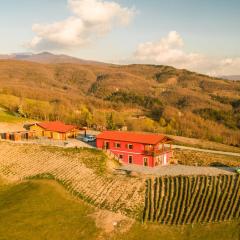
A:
(238, 170)
(89, 138)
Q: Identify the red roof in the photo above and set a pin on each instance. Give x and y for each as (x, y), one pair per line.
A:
(56, 126)
(133, 137)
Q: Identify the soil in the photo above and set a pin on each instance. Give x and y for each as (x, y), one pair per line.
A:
(109, 221)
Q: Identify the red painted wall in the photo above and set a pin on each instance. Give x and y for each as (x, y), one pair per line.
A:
(137, 152)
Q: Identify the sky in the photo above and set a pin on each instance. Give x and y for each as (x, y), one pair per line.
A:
(197, 35)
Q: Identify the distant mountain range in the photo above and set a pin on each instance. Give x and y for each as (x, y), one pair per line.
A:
(47, 57)
(231, 77)
(50, 58)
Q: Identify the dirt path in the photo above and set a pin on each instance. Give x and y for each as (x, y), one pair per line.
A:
(206, 150)
(176, 170)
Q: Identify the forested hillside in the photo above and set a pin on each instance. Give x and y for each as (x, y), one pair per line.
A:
(141, 97)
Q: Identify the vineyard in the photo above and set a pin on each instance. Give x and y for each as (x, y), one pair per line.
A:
(188, 200)
(107, 191)
(166, 200)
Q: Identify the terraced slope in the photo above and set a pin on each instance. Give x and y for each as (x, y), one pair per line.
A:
(166, 200)
(116, 193)
(188, 200)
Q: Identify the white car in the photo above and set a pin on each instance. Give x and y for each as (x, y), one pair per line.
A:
(89, 138)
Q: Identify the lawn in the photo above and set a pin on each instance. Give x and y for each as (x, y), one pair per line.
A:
(37, 210)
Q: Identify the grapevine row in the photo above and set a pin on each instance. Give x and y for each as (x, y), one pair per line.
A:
(192, 199)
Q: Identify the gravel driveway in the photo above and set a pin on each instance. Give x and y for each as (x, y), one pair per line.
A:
(175, 170)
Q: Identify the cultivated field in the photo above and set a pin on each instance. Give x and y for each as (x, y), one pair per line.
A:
(188, 200)
(36, 210)
(194, 158)
(81, 172)
(89, 175)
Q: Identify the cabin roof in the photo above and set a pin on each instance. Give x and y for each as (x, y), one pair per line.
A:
(145, 138)
(56, 126)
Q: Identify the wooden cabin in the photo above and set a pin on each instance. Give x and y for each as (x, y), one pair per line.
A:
(54, 130)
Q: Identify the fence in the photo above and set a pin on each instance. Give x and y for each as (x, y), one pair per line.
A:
(30, 137)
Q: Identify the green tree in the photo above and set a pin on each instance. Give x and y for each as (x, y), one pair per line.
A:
(86, 117)
(162, 122)
(99, 119)
(110, 122)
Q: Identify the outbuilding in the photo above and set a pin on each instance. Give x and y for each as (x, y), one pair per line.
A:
(56, 130)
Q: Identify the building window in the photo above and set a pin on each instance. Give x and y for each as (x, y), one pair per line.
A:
(117, 145)
(145, 161)
(130, 159)
(120, 156)
(130, 146)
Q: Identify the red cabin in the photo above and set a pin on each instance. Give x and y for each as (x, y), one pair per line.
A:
(137, 148)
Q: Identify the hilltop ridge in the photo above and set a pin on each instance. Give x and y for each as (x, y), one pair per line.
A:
(47, 57)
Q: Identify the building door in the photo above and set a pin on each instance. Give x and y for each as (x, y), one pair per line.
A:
(145, 161)
(130, 159)
(165, 159)
(107, 145)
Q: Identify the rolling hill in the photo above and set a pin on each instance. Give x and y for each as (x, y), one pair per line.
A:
(47, 57)
(143, 97)
(232, 77)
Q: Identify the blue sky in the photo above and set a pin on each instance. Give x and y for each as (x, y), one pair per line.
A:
(204, 34)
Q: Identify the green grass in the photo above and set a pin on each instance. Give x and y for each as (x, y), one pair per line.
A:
(36, 210)
(43, 210)
(8, 117)
(223, 231)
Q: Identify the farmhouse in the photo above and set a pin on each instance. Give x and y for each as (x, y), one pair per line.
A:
(54, 130)
(137, 148)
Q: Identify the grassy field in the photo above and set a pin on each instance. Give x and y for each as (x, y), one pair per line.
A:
(44, 210)
(7, 117)
(35, 210)
(194, 158)
(204, 144)
(224, 231)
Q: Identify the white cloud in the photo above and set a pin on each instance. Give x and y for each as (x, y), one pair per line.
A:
(97, 12)
(228, 66)
(91, 18)
(170, 51)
